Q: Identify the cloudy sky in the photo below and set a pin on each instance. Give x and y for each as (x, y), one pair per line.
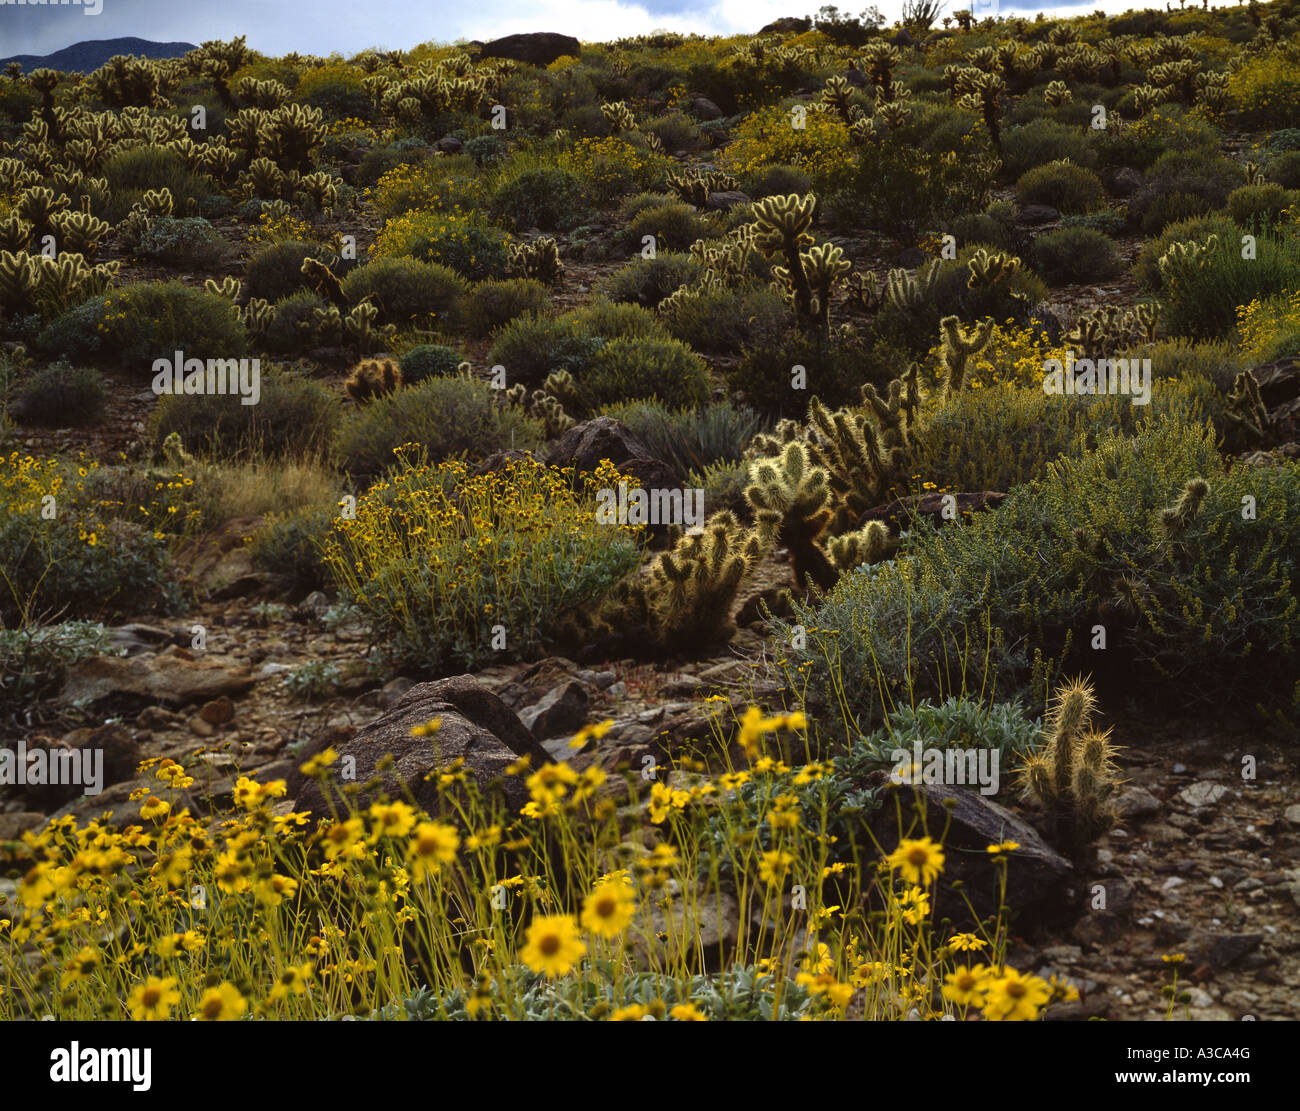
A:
(347, 26)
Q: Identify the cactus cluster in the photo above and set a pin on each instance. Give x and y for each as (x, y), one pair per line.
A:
(695, 184)
(372, 378)
(37, 283)
(1246, 411)
(957, 347)
(1107, 329)
(542, 406)
(1074, 776)
(539, 260)
(809, 276)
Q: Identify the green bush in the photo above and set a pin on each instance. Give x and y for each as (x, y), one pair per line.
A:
(764, 375)
(1258, 208)
(546, 198)
(275, 271)
(294, 417)
(1201, 296)
(1168, 129)
(133, 325)
(132, 173)
(1013, 596)
(1284, 169)
(296, 325)
(531, 347)
(405, 290)
(429, 360)
(494, 303)
(468, 245)
(290, 544)
(1073, 255)
(1042, 141)
(726, 321)
(647, 281)
(689, 438)
(1212, 179)
(188, 241)
(674, 226)
(34, 659)
(1172, 208)
(446, 417)
(615, 320)
(1062, 185)
(776, 181)
(61, 395)
(626, 369)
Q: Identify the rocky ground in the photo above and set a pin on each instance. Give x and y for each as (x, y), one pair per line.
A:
(1205, 862)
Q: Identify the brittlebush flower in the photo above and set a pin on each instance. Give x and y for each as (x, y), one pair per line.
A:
(919, 860)
(153, 1000)
(608, 909)
(153, 808)
(221, 1004)
(687, 1012)
(553, 946)
(433, 844)
(390, 819)
(1011, 997)
(774, 866)
(965, 985)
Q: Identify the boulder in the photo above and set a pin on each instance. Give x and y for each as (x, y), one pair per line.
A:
(705, 109)
(584, 446)
(1126, 181)
(898, 513)
(174, 677)
(1036, 214)
(449, 144)
(788, 25)
(477, 727)
(1038, 876)
(562, 710)
(536, 48)
(726, 199)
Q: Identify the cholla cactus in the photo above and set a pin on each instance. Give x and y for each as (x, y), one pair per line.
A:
(15, 233)
(318, 191)
(1173, 521)
(869, 545)
(959, 344)
(782, 230)
(1074, 776)
(619, 116)
(229, 287)
(1246, 411)
(1057, 93)
(879, 61)
(985, 97)
(687, 595)
(373, 378)
(79, 232)
(823, 268)
(257, 315)
(837, 96)
(38, 206)
(1175, 80)
(694, 185)
(790, 497)
(539, 260)
(325, 282)
(360, 325)
(541, 406)
(261, 94)
(907, 292)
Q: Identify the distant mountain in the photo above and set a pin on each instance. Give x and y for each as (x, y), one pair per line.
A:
(85, 57)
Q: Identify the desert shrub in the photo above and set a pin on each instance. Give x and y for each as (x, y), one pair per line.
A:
(60, 394)
(1259, 208)
(763, 376)
(676, 131)
(132, 173)
(1269, 328)
(292, 544)
(187, 241)
(611, 167)
(445, 417)
(986, 227)
(378, 161)
(275, 270)
(434, 184)
(615, 320)
(1073, 255)
(724, 485)
(822, 149)
(296, 324)
(1062, 185)
(778, 180)
(1267, 91)
(1014, 594)
(1197, 229)
(1003, 436)
(1142, 142)
(84, 563)
(486, 149)
(544, 197)
(294, 417)
(1284, 169)
(639, 202)
(531, 347)
(725, 321)
(429, 360)
(1103, 220)
(647, 281)
(467, 244)
(135, 324)
(494, 303)
(1285, 139)
(626, 369)
(1211, 179)
(689, 438)
(1042, 141)
(542, 556)
(34, 659)
(1202, 293)
(406, 290)
(337, 89)
(1163, 209)
(674, 226)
